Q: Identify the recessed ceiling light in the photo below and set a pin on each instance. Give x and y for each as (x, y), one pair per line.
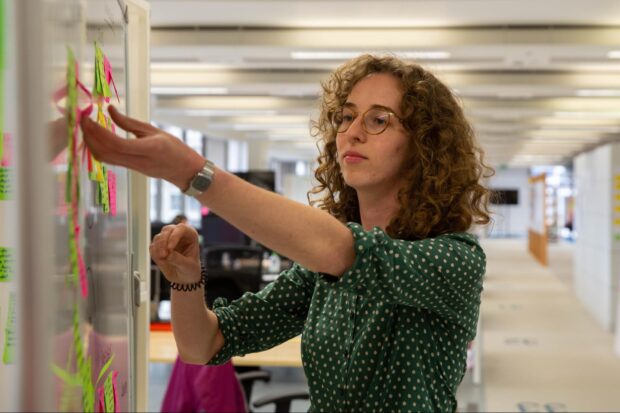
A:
(188, 90)
(614, 54)
(598, 92)
(342, 55)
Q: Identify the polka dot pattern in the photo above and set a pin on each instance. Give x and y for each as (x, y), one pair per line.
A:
(390, 335)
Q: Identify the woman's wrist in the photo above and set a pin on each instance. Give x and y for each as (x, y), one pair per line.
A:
(186, 287)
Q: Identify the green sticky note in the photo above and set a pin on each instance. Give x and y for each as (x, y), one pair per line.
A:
(105, 195)
(71, 125)
(8, 355)
(69, 379)
(6, 264)
(105, 367)
(73, 258)
(108, 392)
(84, 366)
(101, 87)
(5, 183)
(617, 237)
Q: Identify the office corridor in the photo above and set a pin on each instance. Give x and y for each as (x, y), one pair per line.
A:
(541, 349)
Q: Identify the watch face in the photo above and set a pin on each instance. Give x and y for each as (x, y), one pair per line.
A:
(201, 183)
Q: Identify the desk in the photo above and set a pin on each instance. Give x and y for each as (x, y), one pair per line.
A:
(163, 349)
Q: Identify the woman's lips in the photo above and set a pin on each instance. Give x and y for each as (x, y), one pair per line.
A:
(353, 158)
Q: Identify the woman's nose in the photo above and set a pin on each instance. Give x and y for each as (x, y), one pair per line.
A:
(356, 130)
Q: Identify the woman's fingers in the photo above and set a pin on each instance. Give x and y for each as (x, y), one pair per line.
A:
(182, 236)
(138, 128)
(109, 148)
(159, 246)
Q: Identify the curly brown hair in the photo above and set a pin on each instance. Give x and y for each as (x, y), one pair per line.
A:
(444, 167)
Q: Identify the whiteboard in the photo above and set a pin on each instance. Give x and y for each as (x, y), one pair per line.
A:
(8, 210)
(93, 328)
(73, 347)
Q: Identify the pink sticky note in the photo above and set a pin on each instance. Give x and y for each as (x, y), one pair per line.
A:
(7, 152)
(81, 264)
(204, 211)
(101, 395)
(112, 192)
(114, 385)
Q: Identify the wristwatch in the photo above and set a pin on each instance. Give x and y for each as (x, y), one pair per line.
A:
(201, 181)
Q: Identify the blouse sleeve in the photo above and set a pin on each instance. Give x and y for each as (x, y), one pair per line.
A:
(259, 321)
(443, 274)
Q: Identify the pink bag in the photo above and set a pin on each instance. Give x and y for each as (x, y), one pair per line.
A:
(196, 388)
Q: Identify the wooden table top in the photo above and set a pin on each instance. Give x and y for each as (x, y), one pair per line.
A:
(163, 349)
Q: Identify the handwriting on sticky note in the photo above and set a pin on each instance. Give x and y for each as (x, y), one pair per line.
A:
(5, 183)
(8, 355)
(7, 264)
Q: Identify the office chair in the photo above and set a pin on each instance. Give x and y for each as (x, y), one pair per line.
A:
(282, 400)
(228, 265)
(231, 271)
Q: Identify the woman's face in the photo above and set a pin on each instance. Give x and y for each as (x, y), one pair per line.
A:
(373, 162)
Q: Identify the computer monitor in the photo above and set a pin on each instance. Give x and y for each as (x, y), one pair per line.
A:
(216, 231)
(505, 196)
(264, 179)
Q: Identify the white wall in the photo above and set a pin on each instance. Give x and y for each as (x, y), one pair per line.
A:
(296, 187)
(511, 220)
(597, 252)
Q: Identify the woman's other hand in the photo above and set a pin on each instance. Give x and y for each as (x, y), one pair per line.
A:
(176, 252)
(155, 153)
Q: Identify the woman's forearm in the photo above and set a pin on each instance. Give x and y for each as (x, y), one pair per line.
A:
(196, 329)
(307, 235)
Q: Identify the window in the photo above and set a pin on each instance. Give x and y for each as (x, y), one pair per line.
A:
(167, 201)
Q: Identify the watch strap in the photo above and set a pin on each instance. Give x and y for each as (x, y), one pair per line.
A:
(206, 172)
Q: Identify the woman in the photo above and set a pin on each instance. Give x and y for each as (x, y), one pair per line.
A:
(386, 286)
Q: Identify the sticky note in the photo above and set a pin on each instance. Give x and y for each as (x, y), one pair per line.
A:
(110, 392)
(6, 150)
(84, 366)
(6, 264)
(101, 88)
(8, 354)
(617, 222)
(105, 197)
(112, 192)
(5, 183)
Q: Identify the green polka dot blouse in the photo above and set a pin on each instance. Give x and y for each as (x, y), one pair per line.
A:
(390, 335)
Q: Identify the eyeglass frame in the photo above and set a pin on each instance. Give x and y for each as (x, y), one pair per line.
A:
(389, 111)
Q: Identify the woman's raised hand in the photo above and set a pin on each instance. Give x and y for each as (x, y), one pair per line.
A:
(155, 153)
(176, 252)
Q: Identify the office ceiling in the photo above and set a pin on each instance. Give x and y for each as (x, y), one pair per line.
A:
(540, 80)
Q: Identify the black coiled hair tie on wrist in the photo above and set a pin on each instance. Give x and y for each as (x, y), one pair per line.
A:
(193, 286)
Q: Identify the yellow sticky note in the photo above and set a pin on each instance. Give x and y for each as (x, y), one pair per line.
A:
(617, 222)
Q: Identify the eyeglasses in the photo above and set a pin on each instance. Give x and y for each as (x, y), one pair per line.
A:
(374, 120)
